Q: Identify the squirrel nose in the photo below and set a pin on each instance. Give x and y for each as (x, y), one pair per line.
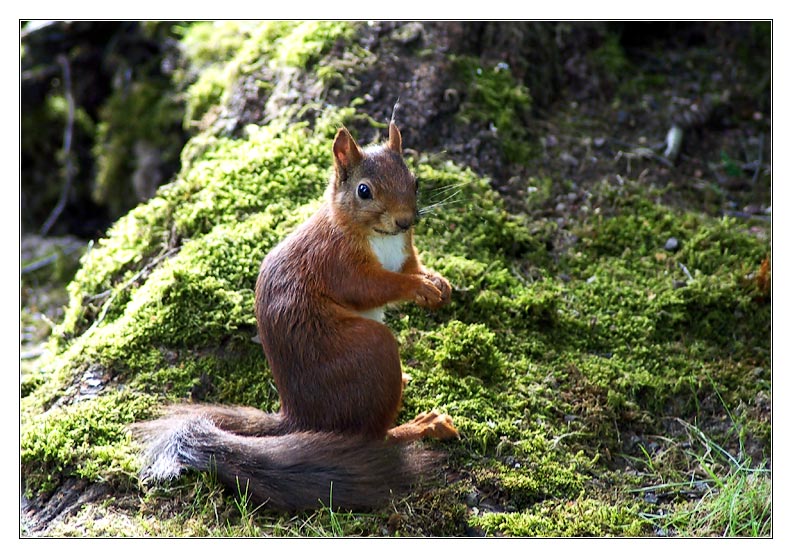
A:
(404, 223)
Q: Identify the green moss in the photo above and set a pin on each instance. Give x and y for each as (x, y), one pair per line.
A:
(541, 376)
(549, 380)
(165, 300)
(208, 91)
(532, 476)
(207, 47)
(210, 42)
(610, 57)
(494, 97)
(577, 518)
(308, 40)
(468, 350)
(86, 439)
(219, 53)
(139, 130)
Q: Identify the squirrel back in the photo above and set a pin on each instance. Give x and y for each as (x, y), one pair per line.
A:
(320, 296)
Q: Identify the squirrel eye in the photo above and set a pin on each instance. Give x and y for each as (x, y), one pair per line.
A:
(364, 192)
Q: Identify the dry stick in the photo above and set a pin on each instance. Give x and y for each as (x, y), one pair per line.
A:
(760, 158)
(685, 271)
(67, 141)
(44, 262)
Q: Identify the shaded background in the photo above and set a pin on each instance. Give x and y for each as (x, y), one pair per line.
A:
(622, 84)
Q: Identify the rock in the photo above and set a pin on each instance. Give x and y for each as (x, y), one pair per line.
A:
(672, 244)
(408, 33)
(472, 498)
(569, 159)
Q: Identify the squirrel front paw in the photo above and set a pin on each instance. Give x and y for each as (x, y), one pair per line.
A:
(433, 291)
(442, 284)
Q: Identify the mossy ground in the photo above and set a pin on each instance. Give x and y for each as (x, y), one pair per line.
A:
(564, 364)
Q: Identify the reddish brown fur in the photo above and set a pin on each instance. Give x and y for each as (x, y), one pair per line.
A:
(335, 370)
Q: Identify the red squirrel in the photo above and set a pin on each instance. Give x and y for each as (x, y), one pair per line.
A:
(319, 304)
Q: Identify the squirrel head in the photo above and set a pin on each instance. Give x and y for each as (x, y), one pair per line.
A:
(372, 190)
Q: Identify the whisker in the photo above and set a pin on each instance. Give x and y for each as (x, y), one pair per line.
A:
(448, 200)
(444, 194)
(443, 189)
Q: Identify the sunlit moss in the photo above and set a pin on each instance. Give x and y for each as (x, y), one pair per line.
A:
(86, 439)
(309, 39)
(219, 53)
(576, 518)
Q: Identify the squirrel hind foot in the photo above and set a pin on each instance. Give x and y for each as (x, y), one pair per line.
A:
(432, 424)
(172, 445)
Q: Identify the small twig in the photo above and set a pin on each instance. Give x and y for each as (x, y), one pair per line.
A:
(67, 141)
(34, 27)
(641, 153)
(40, 73)
(44, 262)
(30, 355)
(35, 266)
(746, 215)
(145, 269)
(685, 271)
(759, 161)
(557, 439)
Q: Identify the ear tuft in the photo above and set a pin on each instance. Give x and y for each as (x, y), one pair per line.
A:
(346, 150)
(394, 138)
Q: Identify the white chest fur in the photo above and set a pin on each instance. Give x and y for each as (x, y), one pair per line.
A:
(391, 250)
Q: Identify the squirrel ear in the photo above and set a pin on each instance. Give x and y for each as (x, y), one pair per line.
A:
(346, 150)
(394, 138)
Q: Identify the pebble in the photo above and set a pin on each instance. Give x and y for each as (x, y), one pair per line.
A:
(408, 33)
(472, 498)
(672, 244)
(569, 159)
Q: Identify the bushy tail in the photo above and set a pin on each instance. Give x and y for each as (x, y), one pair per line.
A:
(295, 471)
